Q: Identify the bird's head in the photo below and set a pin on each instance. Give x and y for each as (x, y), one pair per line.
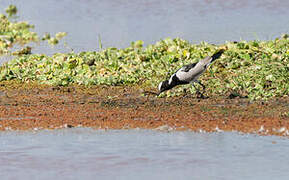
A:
(163, 86)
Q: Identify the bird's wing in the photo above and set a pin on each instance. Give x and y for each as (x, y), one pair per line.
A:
(185, 73)
(208, 58)
(187, 68)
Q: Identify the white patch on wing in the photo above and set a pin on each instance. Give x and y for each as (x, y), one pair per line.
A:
(171, 79)
(160, 85)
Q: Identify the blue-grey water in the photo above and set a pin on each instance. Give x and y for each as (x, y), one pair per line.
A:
(119, 22)
(82, 153)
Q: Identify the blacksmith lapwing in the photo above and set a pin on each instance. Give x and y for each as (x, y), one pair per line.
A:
(189, 73)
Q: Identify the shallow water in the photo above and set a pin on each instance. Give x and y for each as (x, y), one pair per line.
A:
(82, 153)
(120, 22)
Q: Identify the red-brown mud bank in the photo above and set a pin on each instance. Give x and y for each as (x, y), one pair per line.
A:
(24, 107)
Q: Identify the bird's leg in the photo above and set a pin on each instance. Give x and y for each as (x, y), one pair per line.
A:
(197, 89)
(203, 86)
(185, 91)
(204, 89)
(199, 94)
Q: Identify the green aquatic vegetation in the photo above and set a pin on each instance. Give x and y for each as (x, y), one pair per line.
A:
(12, 33)
(54, 40)
(11, 10)
(254, 69)
(20, 33)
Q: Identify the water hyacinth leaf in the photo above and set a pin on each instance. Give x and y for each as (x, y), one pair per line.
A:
(46, 36)
(60, 35)
(11, 10)
(53, 41)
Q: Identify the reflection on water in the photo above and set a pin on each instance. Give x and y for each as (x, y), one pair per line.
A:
(141, 154)
(120, 22)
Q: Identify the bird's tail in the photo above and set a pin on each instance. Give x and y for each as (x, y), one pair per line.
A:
(217, 55)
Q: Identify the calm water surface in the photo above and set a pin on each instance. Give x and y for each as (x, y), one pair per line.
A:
(118, 22)
(141, 154)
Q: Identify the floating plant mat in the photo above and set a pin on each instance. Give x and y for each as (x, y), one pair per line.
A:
(253, 69)
(13, 32)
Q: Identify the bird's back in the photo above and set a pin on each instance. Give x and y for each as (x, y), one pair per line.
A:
(190, 72)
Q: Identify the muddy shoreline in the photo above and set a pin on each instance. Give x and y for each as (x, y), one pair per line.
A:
(34, 107)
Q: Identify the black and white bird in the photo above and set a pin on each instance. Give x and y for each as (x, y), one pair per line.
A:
(189, 73)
